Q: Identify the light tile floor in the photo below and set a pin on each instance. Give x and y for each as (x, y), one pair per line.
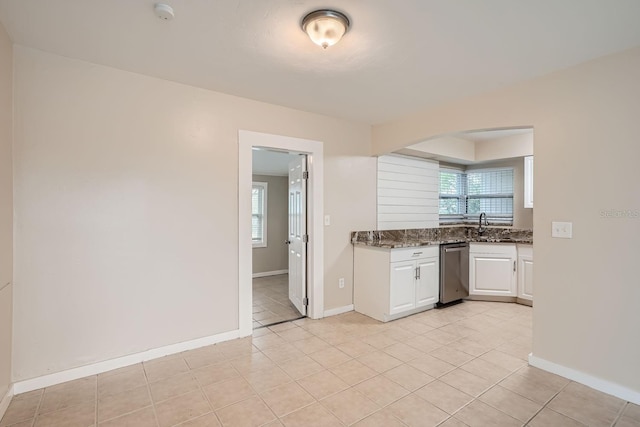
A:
(271, 301)
(460, 366)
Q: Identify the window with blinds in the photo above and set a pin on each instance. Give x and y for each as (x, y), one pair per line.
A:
(465, 195)
(259, 214)
(490, 191)
(453, 192)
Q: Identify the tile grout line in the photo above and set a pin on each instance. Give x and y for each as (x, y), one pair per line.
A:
(153, 404)
(35, 416)
(95, 416)
(546, 403)
(214, 411)
(256, 391)
(620, 412)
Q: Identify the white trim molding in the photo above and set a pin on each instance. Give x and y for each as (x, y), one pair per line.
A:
(270, 273)
(315, 222)
(120, 362)
(6, 400)
(599, 384)
(338, 310)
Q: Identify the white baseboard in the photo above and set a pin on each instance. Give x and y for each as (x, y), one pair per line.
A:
(604, 386)
(120, 362)
(269, 273)
(338, 310)
(6, 400)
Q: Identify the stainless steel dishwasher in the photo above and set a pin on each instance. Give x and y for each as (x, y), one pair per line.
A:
(454, 272)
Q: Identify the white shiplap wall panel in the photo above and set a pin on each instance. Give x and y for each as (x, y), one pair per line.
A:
(408, 191)
(404, 169)
(401, 185)
(405, 194)
(386, 209)
(403, 177)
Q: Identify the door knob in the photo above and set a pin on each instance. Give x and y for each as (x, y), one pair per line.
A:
(288, 242)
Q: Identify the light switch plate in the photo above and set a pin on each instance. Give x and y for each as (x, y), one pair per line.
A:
(327, 220)
(563, 230)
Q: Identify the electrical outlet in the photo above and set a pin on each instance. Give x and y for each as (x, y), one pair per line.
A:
(563, 230)
(341, 282)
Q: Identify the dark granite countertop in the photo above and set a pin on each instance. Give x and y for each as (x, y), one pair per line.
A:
(392, 239)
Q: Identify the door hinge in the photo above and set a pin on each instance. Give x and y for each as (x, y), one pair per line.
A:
(305, 238)
(305, 301)
(305, 175)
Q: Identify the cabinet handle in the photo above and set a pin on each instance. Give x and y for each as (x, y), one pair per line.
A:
(417, 273)
(514, 266)
(416, 253)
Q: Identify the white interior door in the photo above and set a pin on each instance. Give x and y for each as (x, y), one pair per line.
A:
(297, 238)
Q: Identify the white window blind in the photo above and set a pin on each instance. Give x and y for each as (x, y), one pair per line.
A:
(490, 191)
(407, 193)
(259, 214)
(465, 195)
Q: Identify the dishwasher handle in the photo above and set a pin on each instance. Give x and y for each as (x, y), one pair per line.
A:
(458, 249)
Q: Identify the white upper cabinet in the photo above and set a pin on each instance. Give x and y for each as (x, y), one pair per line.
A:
(528, 182)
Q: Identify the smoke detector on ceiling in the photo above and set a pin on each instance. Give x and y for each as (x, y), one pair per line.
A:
(164, 11)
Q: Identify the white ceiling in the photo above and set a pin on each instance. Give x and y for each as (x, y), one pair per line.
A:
(398, 57)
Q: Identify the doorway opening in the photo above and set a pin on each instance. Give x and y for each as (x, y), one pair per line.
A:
(278, 227)
(307, 297)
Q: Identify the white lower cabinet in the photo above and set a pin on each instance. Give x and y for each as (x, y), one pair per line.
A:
(428, 281)
(492, 269)
(392, 283)
(402, 289)
(525, 272)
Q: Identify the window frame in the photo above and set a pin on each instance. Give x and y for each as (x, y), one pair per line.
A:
(264, 187)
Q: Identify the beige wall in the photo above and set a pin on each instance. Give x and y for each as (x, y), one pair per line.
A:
(522, 217)
(6, 210)
(504, 148)
(448, 147)
(274, 256)
(127, 208)
(586, 150)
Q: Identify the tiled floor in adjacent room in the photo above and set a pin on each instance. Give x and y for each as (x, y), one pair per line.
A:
(271, 301)
(463, 365)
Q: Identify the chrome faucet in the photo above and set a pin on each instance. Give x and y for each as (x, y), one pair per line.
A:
(482, 227)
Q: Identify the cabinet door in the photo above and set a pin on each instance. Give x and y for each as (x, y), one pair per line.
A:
(428, 282)
(402, 289)
(528, 182)
(525, 277)
(492, 274)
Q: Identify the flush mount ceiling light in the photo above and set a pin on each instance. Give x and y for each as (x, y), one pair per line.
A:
(325, 27)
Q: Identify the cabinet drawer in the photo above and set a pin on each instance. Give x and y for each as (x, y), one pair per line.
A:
(407, 254)
(508, 249)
